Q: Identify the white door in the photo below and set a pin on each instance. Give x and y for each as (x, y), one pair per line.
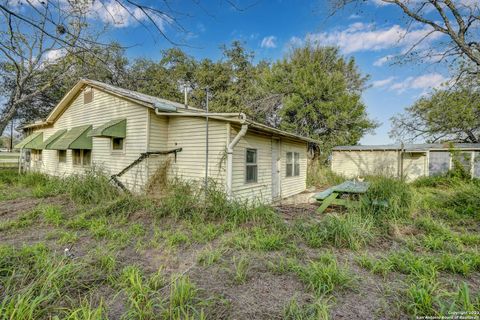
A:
(275, 169)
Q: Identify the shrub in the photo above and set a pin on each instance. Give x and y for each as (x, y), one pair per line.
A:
(320, 175)
(386, 199)
(93, 187)
(465, 199)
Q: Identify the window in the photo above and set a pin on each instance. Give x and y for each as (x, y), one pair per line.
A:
(77, 157)
(293, 164)
(251, 166)
(37, 155)
(81, 157)
(87, 157)
(87, 96)
(62, 156)
(296, 166)
(117, 143)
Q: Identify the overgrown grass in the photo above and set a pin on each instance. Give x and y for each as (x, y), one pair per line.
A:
(349, 231)
(386, 199)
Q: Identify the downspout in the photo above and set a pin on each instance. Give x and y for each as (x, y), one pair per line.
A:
(230, 148)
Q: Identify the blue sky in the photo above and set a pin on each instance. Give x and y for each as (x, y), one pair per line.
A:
(372, 34)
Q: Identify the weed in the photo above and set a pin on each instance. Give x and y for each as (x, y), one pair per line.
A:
(320, 175)
(139, 295)
(87, 312)
(241, 266)
(324, 275)
(318, 310)
(422, 298)
(183, 298)
(209, 256)
(350, 231)
(386, 199)
(52, 214)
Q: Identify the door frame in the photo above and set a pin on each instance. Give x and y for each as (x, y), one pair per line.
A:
(276, 165)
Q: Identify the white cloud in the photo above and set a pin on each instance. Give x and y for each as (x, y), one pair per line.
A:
(365, 37)
(423, 82)
(54, 54)
(354, 16)
(118, 15)
(383, 60)
(383, 83)
(295, 42)
(269, 42)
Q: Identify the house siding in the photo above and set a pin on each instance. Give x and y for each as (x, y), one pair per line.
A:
(102, 109)
(293, 185)
(189, 134)
(260, 191)
(360, 163)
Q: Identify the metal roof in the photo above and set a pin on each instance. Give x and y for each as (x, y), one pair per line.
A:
(410, 147)
(150, 101)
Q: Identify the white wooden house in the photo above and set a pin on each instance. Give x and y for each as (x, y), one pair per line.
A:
(107, 127)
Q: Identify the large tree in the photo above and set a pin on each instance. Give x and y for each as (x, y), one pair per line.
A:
(320, 96)
(446, 115)
(457, 20)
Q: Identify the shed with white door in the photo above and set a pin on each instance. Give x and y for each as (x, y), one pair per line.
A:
(409, 161)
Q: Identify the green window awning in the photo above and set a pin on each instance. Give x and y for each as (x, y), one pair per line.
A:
(115, 128)
(75, 138)
(54, 137)
(33, 141)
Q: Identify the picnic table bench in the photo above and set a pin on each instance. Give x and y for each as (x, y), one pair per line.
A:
(333, 195)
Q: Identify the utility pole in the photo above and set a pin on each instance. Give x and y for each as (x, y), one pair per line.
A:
(11, 137)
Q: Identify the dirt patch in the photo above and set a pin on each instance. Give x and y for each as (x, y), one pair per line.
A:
(263, 296)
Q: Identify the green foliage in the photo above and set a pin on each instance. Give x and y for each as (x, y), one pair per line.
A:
(91, 188)
(386, 199)
(451, 114)
(186, 200)
(321, 95)
(320, 175)
(318, 310)
(52, 214)
(349, 231)
(465, 200)
(324, 275)
(241, 266)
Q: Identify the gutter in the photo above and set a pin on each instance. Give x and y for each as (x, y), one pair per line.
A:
(230, 148)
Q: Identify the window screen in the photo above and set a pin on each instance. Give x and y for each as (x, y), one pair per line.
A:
(296, 158)
(251, 166)
(289, 165)
(439, 162)
(117, 143)
(76, 157)
(62, 156)
(87, 157)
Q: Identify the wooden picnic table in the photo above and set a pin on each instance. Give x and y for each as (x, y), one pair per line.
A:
(333, 195)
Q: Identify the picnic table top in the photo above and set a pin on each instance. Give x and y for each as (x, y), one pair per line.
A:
(352, 187)
(345, 187)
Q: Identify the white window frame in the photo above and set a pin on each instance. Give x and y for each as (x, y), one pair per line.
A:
(251, 164)
(294, 163)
